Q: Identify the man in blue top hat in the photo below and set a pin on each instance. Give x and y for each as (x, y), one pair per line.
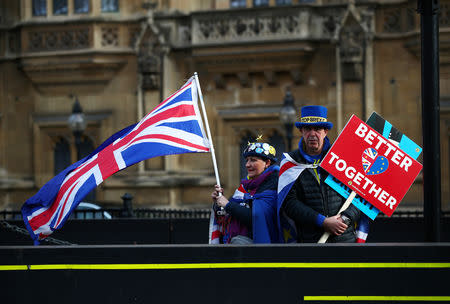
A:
(304, 199)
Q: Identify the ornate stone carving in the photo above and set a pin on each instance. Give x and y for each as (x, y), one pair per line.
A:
(296, 76)
(149, 67)
(151, 48)
(244, 79)
(220, 81)
(150, 81)
(329, 25)
(35, 41)
(184, 35)
(67, 40)
(14, 42)
(444, 14)
(270, 77)
(51, 41)
(411, 14)
(392, 20)
(82, 38)
(58, 40)
(274, 25)
(356, 29)
(134, 35)
(213, 29)
(264, 25)
(110, 36)
(351, 43)
(400, 19)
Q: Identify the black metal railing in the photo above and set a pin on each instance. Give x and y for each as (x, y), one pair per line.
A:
(127, 211)
(160, 213)
(172, 213)
(110, 213)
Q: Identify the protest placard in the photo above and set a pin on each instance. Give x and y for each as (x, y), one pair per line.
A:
(390, 132)
(375, 168)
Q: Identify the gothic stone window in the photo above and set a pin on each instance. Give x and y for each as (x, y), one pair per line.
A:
(81, 6)
(238, 3)
(110, 5)
(62, 152)
(61, 155)
(283, 2)
(39, 7)
(59, 7)
(277, 141)
(260, 3)
(86, 146)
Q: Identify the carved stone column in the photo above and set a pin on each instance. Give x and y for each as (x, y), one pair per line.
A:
(150, 49)
(354, 58)
(367, 22)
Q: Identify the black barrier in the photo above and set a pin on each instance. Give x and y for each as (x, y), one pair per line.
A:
(195, 231)
(316, 273)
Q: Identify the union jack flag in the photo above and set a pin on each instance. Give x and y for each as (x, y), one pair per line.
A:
(173, 127)
(290, 170)
(362, 229)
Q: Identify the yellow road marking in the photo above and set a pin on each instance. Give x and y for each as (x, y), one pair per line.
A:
(377, 298)
(219, 266)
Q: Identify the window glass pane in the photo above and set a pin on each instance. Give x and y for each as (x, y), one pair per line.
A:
(238, 3)
(283, 2)
(39, 7)
(61, 155)
(277, 141)
(81, 6)
(86, 146)
(110, 5)
(260, 2)
(59, 7)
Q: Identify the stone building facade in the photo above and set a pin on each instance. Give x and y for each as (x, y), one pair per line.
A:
(120, 58)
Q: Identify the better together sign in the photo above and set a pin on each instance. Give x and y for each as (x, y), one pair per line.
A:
(371, 165)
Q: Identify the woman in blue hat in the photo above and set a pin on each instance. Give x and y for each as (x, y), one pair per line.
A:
(250, 215)
(307, 206)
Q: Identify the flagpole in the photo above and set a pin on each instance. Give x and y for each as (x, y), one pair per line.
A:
(213, 155)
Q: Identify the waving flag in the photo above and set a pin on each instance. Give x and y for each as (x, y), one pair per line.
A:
(173, 127)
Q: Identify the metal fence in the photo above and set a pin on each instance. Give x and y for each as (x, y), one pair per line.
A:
(109, 213)
(159, 213)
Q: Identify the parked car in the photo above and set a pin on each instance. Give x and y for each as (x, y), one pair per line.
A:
(88, 211)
